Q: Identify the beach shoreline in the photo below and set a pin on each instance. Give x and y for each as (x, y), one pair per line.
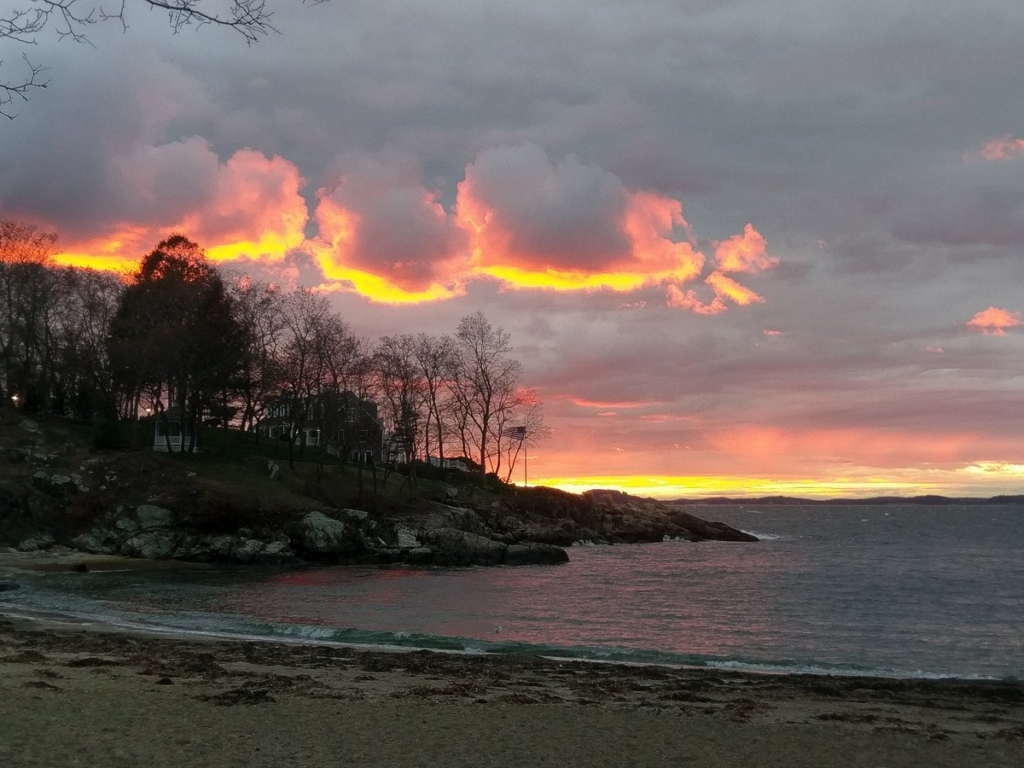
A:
(70, 694)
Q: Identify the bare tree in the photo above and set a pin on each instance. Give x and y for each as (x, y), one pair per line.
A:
(435, 360)
(484, 378)
(305, 321)
(25, 284)
(401, 388)
(259, 308)
(71, 19)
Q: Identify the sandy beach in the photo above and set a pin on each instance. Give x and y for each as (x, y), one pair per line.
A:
(74, 695)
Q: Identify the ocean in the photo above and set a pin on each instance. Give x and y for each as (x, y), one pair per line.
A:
(897, 590)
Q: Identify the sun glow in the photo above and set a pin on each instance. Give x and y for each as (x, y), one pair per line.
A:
(672, 487)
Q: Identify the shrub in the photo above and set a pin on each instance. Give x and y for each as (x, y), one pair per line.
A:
(104, 434)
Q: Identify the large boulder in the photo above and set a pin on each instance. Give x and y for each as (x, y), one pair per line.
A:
(434, 514)
(151, 516)
(37, 542)
(276, 553)
(324, 537)
(246, 550)
(454, 547)
(535, 554)
(95, 543)
(405, 537)
(151, 545)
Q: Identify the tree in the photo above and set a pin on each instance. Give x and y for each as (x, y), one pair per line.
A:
(259, 309)
(401, 387)
(25, 285)
(71, 19)
(483, 380)
(435, 358)
(175, 335)
(306, 321)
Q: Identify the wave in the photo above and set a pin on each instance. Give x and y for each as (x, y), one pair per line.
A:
(767, 536)
(200, 625)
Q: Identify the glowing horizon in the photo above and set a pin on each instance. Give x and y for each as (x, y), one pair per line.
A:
(666, 487)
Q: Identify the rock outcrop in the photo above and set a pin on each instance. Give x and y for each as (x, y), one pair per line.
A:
(137, 505)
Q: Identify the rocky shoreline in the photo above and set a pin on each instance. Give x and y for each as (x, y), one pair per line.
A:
(146, 506)
(436, 535)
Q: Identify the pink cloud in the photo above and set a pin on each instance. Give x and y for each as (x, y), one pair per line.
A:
(771, 332)
(379, 219)
(1003, 148)
(994, 321)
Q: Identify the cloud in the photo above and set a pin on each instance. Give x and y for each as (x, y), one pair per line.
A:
(676, 297)
(723, 286)
(1005, 147)
(563, 225)
(520, 218)
(389, 236)
(248, 207)
(744, 253)
(994, 321)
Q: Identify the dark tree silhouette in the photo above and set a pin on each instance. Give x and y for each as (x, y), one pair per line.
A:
(175, 338)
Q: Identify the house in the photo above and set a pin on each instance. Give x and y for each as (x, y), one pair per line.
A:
(341, 422)
(172, 432)
(458, 464)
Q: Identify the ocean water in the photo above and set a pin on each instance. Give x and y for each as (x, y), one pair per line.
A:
(895, 590)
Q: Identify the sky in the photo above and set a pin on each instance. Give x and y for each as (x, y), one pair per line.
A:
(742, 247)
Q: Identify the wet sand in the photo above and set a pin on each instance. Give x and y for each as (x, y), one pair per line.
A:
(73, 695)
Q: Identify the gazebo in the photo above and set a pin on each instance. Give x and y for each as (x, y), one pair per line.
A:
(172, 432)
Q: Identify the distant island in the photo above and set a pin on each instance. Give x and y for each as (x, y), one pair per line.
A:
(931, 500)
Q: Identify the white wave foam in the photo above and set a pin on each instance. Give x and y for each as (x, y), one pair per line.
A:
(813, 669)
(768, 536)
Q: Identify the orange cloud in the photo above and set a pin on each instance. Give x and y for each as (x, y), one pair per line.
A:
(744, 253)
(537, 223)
(676, 297)
(248, 207)
(388, 237)
(519, 217)
(771, 332)
(994, 321)
(1003, 148)
(723, 286)
(726, 287)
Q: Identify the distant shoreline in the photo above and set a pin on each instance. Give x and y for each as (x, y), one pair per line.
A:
(870, 501)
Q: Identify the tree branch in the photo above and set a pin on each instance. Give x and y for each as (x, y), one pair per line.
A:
(71, 19)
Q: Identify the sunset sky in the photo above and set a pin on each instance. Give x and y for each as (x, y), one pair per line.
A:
(741, 247)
